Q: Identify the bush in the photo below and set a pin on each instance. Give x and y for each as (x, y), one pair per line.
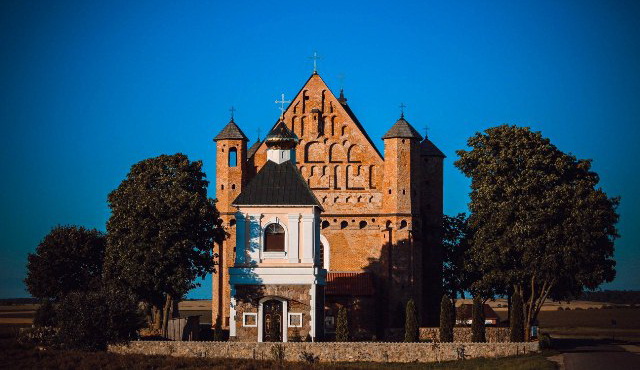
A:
(44, 336)
(309, 357)
(545, 341)
(477, 323)
(342, 326)
(516, 321)
(92, 320)
(45, 314)
(411, 330)
(560, 308)
(447, 318)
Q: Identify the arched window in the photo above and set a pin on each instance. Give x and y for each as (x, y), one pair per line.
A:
(274, 238)
(344, 224)
(325, 224)
(233, 157)
(363, 224)
(403, 224)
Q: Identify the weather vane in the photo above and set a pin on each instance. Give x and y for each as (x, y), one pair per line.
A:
(315, 58)
(402, 106)
(232, 110)
(282, 103)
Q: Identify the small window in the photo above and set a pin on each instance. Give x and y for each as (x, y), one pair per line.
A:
(250, 320)
(363, 224)
(233, 157)
(388, 224)
(221, 187)
(389, 191)
(274, 238)
(403, 224)
(295, 320)
(233, 187)
(325, 224)
(343, 224)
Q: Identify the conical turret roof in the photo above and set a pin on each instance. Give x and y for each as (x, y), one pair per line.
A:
(231, 132)
(402, 129)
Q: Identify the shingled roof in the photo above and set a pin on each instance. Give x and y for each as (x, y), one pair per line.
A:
(428, 149)
(231, 132)
(402, 129)
(253, 149)
(277, 184)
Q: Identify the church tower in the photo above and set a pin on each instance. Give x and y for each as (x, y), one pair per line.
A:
(231, 176)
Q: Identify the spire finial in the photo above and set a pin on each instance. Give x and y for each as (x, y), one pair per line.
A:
(315, 58)
(232, 110)
(282, 103)
(426, 132)
(402, 106)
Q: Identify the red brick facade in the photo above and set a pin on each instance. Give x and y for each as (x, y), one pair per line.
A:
(380, 214)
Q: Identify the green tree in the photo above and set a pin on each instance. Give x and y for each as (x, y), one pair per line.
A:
(161, 232)
(411, 329)
(447, 319)
(516, 319)
(477, 321)
(541, 227)
(69, 258)
(45, 315)
(455, 244)
(92, 320)
(342, 325)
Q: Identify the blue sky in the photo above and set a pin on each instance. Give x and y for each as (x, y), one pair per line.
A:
(89, 88)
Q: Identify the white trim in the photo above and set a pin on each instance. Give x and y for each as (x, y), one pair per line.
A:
(255, 235)
(244, 319)
(326, 253)
(273, 255)
(312, 312)
(294, 237)
(277, 275)
(291, 314)
(308, 237)
(285, 323)
(232, 312)
(241, 243)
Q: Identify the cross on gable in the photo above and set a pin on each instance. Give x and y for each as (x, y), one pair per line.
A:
(282, 103)
(232, 110)
(402, 106)
(315, 58)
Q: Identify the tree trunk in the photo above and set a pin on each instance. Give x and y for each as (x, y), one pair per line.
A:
(166, 315)
(157, 317)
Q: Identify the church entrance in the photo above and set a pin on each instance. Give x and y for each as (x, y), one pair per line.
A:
(272, 328)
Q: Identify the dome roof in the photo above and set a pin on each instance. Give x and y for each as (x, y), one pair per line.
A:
(280, 137)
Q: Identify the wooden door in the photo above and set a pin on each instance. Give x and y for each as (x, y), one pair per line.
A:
(272, 328)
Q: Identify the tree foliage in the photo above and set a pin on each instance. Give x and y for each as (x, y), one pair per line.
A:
(455, 244)
(161, 231)
(92, 320)
(516, 319)
(68, 259)
(411, 328)
(45, 315)
(447, 319)
(477, 321)
(541, 226)
(342, 326)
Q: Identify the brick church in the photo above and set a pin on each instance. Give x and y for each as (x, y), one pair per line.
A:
(317, 219)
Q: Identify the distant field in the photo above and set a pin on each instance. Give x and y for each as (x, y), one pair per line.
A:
(17, 314)
(626, 318)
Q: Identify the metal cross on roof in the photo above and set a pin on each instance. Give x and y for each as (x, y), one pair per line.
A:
(402, 106)
(232, 110)
(426, 131)
(315, 58)
(282, 103)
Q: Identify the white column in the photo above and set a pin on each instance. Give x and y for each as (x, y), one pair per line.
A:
(312, 312)
(294, 244)
(255, 236)
(285, 324)
(260, 323)
(241, 239)
(232, 312)
(308, 235)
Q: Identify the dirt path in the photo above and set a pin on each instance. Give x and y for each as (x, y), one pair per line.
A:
(590, 354)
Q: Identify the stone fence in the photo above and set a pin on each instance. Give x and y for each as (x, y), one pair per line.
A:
(331, 351)
(461, 334)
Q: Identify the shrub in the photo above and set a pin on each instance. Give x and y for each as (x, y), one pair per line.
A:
(45, 314)
(342, 326)
(447, 318)
(516, 321)
(477, 324)
(411, 330)
(45, 336)
(560, 308)
(91, 320)
(545, 341)
(309, 357)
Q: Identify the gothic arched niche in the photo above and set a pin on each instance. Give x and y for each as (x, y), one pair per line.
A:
(354, 154)
(336, 153)
(314, 152)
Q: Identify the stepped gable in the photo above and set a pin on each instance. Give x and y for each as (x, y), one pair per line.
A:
(231, 132)
(429, 149)
(402, 129)
(277, 184)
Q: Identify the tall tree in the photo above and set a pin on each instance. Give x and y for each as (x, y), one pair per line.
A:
(342, 325)
(69, 258)
(516, 320)
(455, 244)
(477, 321)
(541, 227)
(161, 231)
(447, 319)
(411, 329)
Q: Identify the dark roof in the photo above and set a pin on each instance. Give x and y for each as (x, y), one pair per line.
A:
(427, 148)
(349, 283)
(402, 129)
(464, 311)
(231, 132)
(253, 149)
(281, 133)
(277, 184)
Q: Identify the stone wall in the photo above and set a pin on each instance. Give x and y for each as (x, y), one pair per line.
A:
(460, 334)
(332, 351)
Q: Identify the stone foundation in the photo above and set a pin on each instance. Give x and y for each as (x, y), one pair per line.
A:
(332, 351)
